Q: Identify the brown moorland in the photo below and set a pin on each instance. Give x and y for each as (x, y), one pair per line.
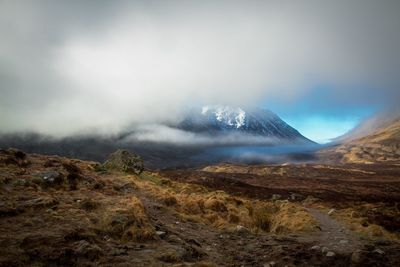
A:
(65, 212)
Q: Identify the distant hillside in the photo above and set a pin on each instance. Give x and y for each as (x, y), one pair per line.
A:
(371, 124)
(382, 145)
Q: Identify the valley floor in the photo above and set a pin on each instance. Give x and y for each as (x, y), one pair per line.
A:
(64, 212)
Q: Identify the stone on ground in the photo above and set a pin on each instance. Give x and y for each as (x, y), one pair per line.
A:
(124, 160)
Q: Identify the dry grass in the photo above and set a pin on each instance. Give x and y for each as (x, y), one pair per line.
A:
(292, 218)
(357, 220)
(128, 223)
(257, 170)
(219, 209)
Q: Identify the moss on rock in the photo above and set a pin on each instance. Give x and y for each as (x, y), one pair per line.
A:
(125, 161)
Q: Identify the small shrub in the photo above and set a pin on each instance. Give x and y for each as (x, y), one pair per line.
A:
(262, 219)
(170, 200)
(71, 168)
(88, 204)
(131, 223)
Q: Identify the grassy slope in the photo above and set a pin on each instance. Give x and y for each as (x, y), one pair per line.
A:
(383, 145)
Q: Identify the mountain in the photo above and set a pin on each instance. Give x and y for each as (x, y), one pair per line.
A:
(210, 135)
(226, 119)
(381, 145)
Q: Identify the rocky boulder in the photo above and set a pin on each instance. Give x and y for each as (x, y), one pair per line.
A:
(124, 160)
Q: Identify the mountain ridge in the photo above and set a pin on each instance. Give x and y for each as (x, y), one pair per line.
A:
(256, 121)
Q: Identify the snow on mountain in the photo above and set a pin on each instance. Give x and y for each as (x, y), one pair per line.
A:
(226, 115)
(259, 122)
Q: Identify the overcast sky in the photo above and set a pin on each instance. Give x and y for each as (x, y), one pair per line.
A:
(68, 67)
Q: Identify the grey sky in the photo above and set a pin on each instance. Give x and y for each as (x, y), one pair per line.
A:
(81, 66)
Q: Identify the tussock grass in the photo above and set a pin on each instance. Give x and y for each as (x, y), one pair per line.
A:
(128, 223)
(197, 204)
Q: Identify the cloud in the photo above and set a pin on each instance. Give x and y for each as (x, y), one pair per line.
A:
(101, 66)
(155, 133)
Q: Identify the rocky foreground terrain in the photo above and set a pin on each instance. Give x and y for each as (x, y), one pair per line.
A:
(58, 211)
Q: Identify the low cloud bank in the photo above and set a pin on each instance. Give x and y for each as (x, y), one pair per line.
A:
(157, 133)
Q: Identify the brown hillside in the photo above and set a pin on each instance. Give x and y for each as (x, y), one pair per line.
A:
(383, 145)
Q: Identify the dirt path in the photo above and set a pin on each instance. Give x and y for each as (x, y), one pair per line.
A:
(334, 235)
(226, 248)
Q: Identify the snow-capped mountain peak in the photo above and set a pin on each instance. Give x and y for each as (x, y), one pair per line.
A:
(226, 114)
(223, 119)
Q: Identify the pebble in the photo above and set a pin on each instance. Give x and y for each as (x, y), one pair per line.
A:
(315, 248)
(276, 197)
(270, 264)
(331, 211)
(330, 254)
(379, 251)
(161, 233)
(241, 229)
(344, 241)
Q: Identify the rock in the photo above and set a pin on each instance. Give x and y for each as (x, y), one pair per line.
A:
(310, 200)
(324, 249)
(331, 211)
(241, 229)
(315, 248)
(270, 264)
(51, 178)
(161, 233)
(343, 242)
(276, 197)
(330, 254)
(379, 251)
(295, 196)
(124, 160)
